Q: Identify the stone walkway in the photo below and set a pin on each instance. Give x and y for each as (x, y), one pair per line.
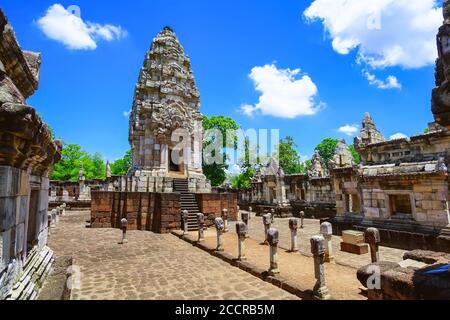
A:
(150, 267)
(294, 267)
(312, 227)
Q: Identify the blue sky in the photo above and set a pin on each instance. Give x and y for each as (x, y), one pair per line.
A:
(234, 47)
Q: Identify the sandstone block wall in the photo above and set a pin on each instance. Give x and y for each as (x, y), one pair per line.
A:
(213, 204)
(157, 212)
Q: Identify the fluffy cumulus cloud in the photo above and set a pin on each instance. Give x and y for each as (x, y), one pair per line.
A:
(349, 129)
(76, 34)
(285, 93)
(391, 82)
(385, 33)
(398, 136)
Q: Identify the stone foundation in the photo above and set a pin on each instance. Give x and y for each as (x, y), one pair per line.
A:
(397, 234)
(157, 212)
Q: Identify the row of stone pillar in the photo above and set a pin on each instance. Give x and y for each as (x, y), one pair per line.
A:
(53, 217)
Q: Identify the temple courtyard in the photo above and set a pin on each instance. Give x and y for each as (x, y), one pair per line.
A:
(168, 268)
(149, 267)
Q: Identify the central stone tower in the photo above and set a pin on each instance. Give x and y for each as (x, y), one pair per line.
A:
(165, 115)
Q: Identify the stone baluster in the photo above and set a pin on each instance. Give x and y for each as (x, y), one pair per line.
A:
(184, 217)
(302, 219)
(49, 222)
(241, 230)
(273, 239)
(267, 221)
(64, 206)
(220, 228)
(58, 214)
(124, 227)
(293, 226)
(53, 225)
(225, 219)
(372, 237)
(326, 229)
(320, 290)
(272, 215)
(245, 219)
(201, 227)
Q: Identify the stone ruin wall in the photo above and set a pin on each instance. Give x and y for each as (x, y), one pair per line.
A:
(156, 212)
(27, 155)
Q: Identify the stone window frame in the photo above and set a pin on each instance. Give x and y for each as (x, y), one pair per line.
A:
(389, 193)
(360, 204)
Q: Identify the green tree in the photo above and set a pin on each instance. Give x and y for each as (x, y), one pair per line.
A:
(121, 166)
(289, 158)
(327, 149)
(216, 172)
(355, 154)
(67, 169)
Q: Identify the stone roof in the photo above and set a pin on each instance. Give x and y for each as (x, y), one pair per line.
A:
(21, 66)
(272, 168)
(369, 133)
(166, 92)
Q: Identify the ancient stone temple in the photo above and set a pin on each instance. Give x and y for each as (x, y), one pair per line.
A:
(27, 155)
(166, 111)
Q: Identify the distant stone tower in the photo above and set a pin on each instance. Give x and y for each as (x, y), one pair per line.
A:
(166, 110)
(369, 133)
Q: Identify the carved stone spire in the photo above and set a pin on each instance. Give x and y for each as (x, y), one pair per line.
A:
(440, 104)
(446, 9)
(369, 133)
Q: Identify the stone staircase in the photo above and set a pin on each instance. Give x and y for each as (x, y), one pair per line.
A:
(188, 202)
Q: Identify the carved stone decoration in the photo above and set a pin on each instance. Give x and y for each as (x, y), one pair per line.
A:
(369, 133)
(441, 94)
(318, 168)
(343, 156)
(108, 170)
(165, 112)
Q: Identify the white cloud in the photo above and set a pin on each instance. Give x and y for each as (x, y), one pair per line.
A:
(285, 93)
(61, 25)
(126, 114)
(349, 129)
(391, 82)
(398, 136)
(385, 33)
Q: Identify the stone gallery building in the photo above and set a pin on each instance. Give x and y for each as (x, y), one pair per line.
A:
(165, 179)
(27, 155)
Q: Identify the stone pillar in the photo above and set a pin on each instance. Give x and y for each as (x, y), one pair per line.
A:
(220, 228)
(124, 226)
(225, 219)
(53, 218)
(318, 250)
(302, 219)
(201, 226)
(184, 217)
(372, 237)
(64, 206)
(273, 239)
(326, 229)
(272, 215)
(293, 225)
(267, 221)
(49, 223)
(245, 219)
(58, 214)
(241, 230)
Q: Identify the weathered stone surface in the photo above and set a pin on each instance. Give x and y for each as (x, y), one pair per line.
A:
(166, 111)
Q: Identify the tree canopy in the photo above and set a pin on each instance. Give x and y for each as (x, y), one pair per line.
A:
(216, 172)
(67, 169)
(289, 158)
(121, 166)
(327, 150)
